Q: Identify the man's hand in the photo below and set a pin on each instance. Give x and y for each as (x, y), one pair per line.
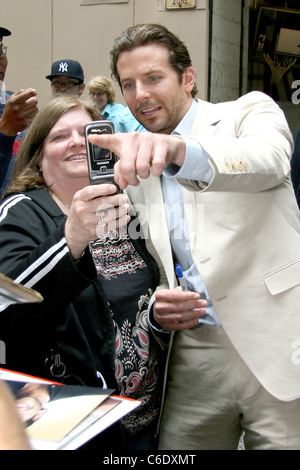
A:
(141, 153)
(19, 111)
(177, 309)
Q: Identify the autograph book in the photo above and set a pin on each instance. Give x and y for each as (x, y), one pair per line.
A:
(13, 293)
(70, 415)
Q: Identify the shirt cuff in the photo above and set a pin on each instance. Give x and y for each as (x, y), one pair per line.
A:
(196, 165)
(154, 325)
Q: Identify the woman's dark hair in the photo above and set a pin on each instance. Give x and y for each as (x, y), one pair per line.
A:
(143, 34)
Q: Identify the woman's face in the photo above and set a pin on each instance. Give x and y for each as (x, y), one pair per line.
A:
(99, 99)
(64, 150)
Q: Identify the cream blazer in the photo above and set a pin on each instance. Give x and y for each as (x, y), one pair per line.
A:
(245, 234)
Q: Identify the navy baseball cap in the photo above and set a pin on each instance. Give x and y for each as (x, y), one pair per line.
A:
(4, 32)
(66, 68)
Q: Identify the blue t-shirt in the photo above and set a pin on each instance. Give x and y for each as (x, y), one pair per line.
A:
(111, 110)
(125, 121)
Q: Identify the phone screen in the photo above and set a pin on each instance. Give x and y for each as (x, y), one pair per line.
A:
(101, 159)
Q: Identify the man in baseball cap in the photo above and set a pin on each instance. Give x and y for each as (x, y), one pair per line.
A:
(66, 77)
(3, 52)
(16, 112)
(4, 32)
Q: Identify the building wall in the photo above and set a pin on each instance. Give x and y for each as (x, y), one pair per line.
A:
(229, 50)
(48, 30)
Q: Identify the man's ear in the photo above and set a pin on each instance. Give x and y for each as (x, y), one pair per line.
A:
(189, 78)
(81, 88)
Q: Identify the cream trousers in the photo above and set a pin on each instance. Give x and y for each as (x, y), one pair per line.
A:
(212, 397)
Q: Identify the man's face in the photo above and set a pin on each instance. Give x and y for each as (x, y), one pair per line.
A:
(66, 86)
(152, 89)
(3, 62)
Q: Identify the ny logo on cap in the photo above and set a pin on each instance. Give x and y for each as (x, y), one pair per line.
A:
(63, 67)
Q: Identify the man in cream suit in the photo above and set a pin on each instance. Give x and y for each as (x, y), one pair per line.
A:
(215, 196)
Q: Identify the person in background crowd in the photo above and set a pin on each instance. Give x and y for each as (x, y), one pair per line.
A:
(212, 186)
(69, 241)
(16, 112)
(295, 165)
(66, 78)
(103, 97)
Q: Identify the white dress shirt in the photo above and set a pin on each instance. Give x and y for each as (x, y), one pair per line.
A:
(195, 167)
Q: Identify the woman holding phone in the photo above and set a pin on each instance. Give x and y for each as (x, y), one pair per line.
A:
(68, 240)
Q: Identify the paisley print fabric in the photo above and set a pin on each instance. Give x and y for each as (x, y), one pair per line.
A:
(129, 284)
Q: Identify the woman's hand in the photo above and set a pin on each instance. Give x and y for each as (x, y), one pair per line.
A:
(95, 210)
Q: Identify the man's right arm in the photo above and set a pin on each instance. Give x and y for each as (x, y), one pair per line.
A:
(6, 151)
(18, 112)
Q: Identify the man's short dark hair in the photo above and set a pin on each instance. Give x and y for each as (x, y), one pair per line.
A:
(143, 34)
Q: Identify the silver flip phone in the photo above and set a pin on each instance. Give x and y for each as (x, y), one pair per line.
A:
(101, 161)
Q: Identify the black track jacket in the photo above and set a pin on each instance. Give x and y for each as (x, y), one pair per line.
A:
(73, 320)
